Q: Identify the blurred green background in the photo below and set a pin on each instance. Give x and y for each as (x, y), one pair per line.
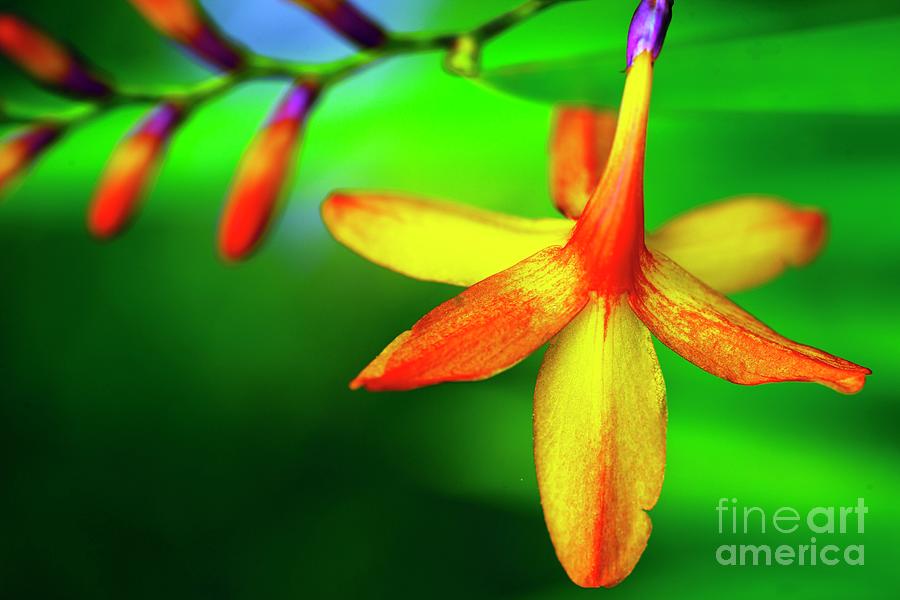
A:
(175, 428)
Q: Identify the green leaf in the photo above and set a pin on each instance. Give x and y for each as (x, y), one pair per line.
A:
(786, 72)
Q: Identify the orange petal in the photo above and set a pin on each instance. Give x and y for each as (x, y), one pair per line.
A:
(600, 441)
(262, 176)
(580, 144)
(436, 241)
(488, 328)
(128, 172)
(716, 335)
(743, 242)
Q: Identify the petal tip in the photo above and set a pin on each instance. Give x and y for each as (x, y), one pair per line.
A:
(854, 383)
(113, 208)
(334, 204)
(103, 230)
(233, 251)
(815, 223)
(240, 234)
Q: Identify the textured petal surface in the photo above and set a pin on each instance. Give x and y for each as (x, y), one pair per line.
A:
(488, 328)
(580, 144)
(743, 242)
(599, 441)
(719, 337)
(436, 241)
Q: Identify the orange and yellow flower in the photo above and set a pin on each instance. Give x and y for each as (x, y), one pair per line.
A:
(598, 288)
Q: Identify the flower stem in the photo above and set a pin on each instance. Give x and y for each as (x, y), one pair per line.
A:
(259, 67)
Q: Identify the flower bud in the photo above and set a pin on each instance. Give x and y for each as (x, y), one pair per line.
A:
(184, 22)
(262, 175)
(47, 61)
(648, 28)
(129, 170)
(20, 151)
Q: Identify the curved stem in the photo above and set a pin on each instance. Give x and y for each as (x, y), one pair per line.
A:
(261, 67)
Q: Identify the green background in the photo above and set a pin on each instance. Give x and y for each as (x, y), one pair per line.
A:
(171, 427)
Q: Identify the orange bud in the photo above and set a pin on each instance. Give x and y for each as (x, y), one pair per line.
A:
(17, 153)
(184, 22)
(262, 175)
(46, 60)
(128, 172)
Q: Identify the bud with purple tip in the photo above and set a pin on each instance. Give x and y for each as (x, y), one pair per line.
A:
(48, 61)
(185, 22)
(20, 151)
(130, 170)
(648, 28)
(263, 174)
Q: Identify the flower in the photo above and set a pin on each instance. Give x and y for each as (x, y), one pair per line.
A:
(263, 173)
(48, 61)
(185, 22)
(598, 289)
(128, 171)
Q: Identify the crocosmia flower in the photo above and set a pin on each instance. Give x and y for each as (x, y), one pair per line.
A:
(597, 288)
(47, 61)
(184, 22)
(130, 168)
(348, 20)
(20, 151)
(263, 174)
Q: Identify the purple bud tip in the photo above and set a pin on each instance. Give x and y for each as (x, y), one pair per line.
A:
(82, 83)
(350, 21)
(296, 103)
(161, 121)
(212, 48)
(39, 138)
(648, 28)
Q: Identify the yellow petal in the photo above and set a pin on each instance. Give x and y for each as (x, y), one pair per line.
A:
(743, 242)
(599, 441)
(579, 146)
(436, 241)
(712, 332)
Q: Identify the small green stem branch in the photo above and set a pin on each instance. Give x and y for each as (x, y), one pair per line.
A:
(326, 74)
